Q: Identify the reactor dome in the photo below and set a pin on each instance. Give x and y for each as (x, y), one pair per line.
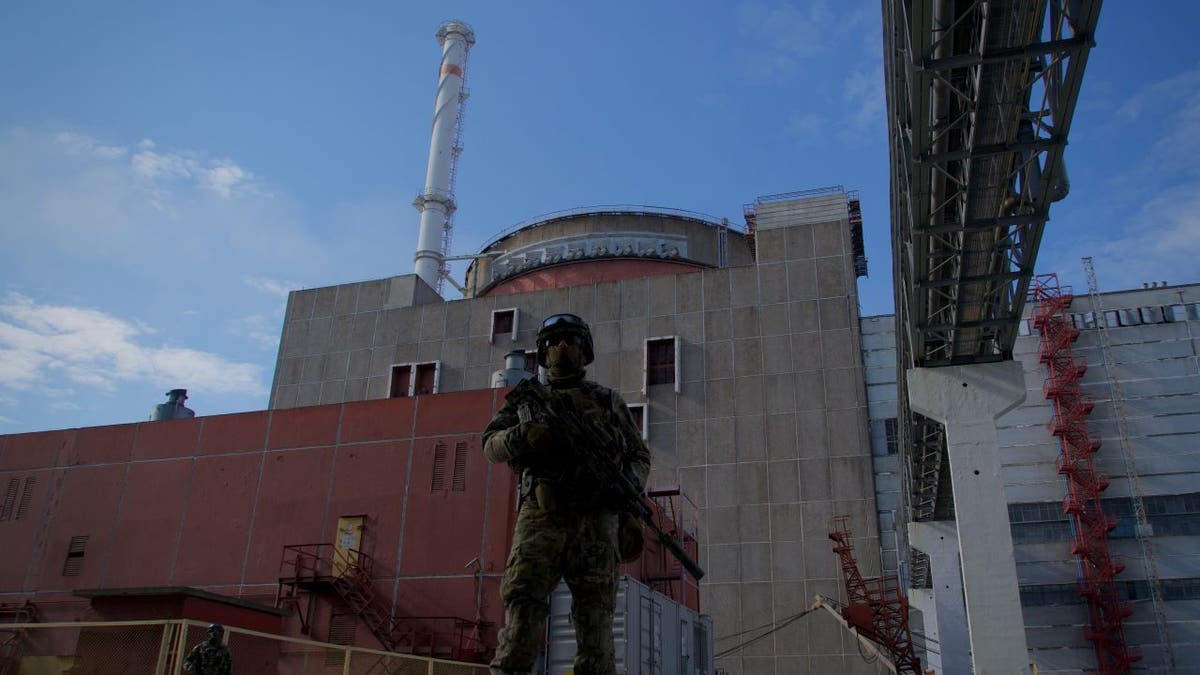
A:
(598, 244)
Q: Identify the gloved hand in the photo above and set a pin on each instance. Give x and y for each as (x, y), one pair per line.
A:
(538, 436)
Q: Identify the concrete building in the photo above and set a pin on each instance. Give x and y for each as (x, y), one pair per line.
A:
(739, 351)
(1148, 448)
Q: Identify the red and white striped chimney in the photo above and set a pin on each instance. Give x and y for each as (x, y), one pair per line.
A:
(436, 202)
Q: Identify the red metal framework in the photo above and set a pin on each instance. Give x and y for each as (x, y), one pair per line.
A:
(876, 607)
(675, 514)
(1098, 567)
(308, 568)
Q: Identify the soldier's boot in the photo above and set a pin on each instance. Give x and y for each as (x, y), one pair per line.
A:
(520, 638)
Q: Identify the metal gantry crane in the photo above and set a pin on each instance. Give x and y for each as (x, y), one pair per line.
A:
(980, 96)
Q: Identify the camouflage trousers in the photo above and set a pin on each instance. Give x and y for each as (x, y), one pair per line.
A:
(580, 548)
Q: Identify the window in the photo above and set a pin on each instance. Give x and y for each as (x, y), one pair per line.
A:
(426, 378)
(504, 322)
(401, 384)
(10, 499)
(458, 472)
(26, 495)
(73, 565)
(342, 625)
(639, 412)
(415, 379)
(1175, 312)
(438, 481)
(10, 508)
(1129, 317)
(891, 435)
(458, 480)
(662, 361)
(1151, 314)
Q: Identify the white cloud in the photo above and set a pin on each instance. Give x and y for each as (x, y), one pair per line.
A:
(1153, 206)
(151, 212)
(863, 91)
(1169, 254)
(80, 144)
(786, 35)
(225, 178)
(8, 420)
(42, 343)
(272, 286)
(806, 127)
(259, 329)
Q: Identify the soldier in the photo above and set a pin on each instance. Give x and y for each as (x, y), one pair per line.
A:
(565, 527)
(210, 657)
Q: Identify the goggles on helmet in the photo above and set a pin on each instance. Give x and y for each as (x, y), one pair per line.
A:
(563, 321)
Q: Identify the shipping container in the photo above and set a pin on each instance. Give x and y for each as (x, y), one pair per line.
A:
(654, 634)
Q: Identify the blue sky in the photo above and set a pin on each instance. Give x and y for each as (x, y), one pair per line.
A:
(167, 174)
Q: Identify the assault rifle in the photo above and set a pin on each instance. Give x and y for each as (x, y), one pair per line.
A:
(594, 443)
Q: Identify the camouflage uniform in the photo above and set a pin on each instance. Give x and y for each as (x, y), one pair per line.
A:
(209, 658)
(575, 540)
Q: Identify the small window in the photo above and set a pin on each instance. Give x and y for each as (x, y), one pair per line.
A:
(891, 435)
(531, 364)
(11, 508)
(1129, 317)
(504, 322)
(1175, 313)
(662, 361)
(342, 626)
(26, 495)
(401, 384)
(1112, 318)
(10, 499)
(458, 480)
(1151, 314)
(73, 565)
(437, 482)
(639, 412)
(426, 378)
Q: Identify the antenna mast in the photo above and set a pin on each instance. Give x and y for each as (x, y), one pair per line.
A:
(1142, 529)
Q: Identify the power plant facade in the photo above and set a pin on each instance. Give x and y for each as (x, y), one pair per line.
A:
(1145, 388)
(738, 350)
(1027, 508)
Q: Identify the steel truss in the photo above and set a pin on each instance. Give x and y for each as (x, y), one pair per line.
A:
(980, 96)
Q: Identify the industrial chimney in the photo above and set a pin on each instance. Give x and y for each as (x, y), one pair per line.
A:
(436, 202)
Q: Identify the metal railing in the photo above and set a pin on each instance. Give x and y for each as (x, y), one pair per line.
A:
(160, 648)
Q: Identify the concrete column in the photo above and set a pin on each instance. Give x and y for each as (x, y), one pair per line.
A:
(967, 400)
(943, 608)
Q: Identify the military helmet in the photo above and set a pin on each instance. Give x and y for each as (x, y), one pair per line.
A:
(216, 628)
(557, 325)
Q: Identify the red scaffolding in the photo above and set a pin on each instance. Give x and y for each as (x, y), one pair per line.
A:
(1089, 524)
(876, 607)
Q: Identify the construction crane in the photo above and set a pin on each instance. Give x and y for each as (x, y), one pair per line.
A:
(876, 608)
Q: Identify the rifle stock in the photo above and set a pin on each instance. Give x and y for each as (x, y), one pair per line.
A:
(542, 404)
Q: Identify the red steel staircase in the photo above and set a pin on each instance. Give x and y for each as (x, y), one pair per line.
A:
(1082, 504)
(308, 569)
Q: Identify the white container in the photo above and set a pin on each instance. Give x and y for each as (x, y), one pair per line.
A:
(654, 635)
